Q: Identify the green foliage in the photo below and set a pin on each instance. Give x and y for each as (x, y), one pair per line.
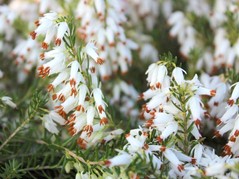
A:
(232, 27)
(21, 27)
(231, 75)
(202, 26)
(11, 169)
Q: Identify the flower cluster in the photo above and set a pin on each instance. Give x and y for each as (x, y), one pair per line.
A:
(146, 11)
(75, 90)
(174, 113)
(7, 17)
(103, 21)
(218, 49)
(91, 56)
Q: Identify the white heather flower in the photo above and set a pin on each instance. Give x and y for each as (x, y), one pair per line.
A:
(195, 132)
(170, 128)
(83, 90)
(50, 125)
(89, 119)
(183, 30)
(100, 7)
(215, 169)
(58, 80)
(194, 104)
(147, 51)
(156, 74)
(57, 118)
(231, 111)
(141, 11)
(7, 17)
(134, 143)
(50, 33)
(111, 135)
(50, 119)
(79, 122)
(63, 93)
(222, 93)
(198, 152)
(100, 105)
(8, 101)
(178, 76)
(44, 24)
(122, 159)
(1, 74)
(75, 66)
(62, 29)
(148, 94)
(172, 157)
(90, 50)
(235, 94)
(68, 105)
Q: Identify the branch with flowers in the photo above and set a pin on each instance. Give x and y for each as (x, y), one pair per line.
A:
(75, 102)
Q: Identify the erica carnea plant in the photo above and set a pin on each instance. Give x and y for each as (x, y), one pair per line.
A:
(119, 89)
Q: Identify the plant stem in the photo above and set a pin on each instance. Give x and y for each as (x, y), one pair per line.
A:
(40, 168)
(14, 133)
(71, 153)
(185, 128)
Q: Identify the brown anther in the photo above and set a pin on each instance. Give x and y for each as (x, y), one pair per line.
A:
(103, 141)
(180, 168)
(227, 150)
(73, 92)
(127, 135)
(112, 44)
(162, 149)
(106, 77)
(217, 134)
(193, 161)
(218, 121)
(50, 88)
(107, 163)
(44, 45)
(230, 102)
(37, 23)
(92, 69)
(58, 42)
(213, 92)
(33, 34)
(146, 146)
(82, 143)
(54, 96)
(158, 85)
(206, 114)
(141, 96)
(232, 139)
(159, 139)
(88, 129)
(149, 123)
(145, 134)
(236, 133)
(100, 61)
(80, 108)
(147, 109)
(42, 56)
(104, 121)
(197, 122)
(101, 109)
(72, 118)
(215, 103)
(61, 98)
(102, 48)
(71, 131)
